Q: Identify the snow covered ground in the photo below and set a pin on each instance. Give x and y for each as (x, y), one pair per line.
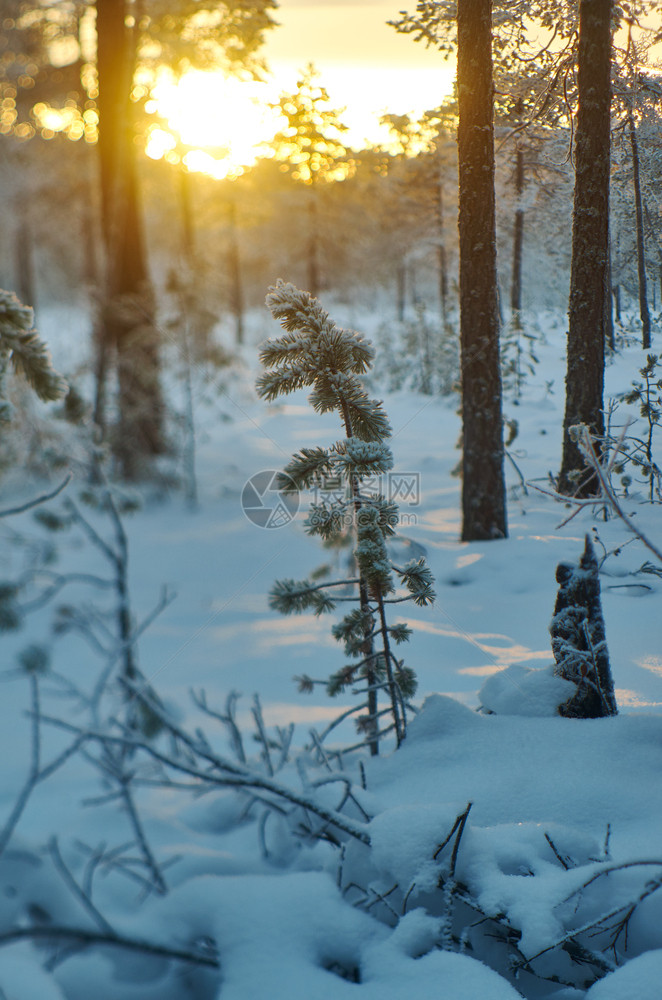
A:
(291, 919)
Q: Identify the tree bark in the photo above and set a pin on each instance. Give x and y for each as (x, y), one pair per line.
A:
(590, 245)
(128, 324)
(483, 487)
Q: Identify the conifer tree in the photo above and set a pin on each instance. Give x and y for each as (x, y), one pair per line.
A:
(310, 145)
(315, 353)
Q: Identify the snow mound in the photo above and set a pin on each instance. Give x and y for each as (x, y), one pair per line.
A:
(640, 979)
(22, 978)
(439, 716)
(520, 690)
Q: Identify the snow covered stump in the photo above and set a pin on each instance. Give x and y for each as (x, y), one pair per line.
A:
(579, 643)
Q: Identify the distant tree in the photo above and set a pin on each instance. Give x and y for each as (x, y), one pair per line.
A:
(128, 327)
(637, 93)
(483, 486)
(422, 169)
(129, 322)
(150, 34)
(311, 148)
(590, 243)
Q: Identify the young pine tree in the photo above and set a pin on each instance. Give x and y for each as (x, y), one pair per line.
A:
(317, 354)
(23, 351)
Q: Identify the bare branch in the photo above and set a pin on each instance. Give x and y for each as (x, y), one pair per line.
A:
(10, 511)
(78, 892)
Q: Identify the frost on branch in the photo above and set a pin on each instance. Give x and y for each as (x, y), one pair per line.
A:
(315, 353)
(22, 348)
(579, 643)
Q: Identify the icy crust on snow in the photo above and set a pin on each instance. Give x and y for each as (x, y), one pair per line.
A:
(520, 690)
(640, 979)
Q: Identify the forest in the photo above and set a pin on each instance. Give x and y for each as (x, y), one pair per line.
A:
(330, 514)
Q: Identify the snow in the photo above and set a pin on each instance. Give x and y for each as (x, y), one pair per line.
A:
(520, 690)
(640, 978)
(555, 803)
(21, 978)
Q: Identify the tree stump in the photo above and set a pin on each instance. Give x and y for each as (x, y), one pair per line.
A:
(579, 643)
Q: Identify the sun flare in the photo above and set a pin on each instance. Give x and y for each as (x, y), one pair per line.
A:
(211, 123)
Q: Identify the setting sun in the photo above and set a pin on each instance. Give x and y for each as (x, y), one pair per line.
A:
(214, 124)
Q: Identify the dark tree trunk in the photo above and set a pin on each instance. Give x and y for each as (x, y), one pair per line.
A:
(128, 324)
(608, 305)
(616, 291)
(653, 234)
(518, 236)
(23, 248)
(644, 313)
(579, 643)
(590, 245)
(313, 242)
(441, 245)
(234, 272)
(483, 488)
(186, 212)
(401, 289)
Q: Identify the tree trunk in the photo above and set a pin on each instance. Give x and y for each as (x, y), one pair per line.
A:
(616, 291)
(590, 245)
(441, 245)
(186, 211)
(234, 272)
(401, 289)
(23, 248)
(608, 305)
(128, 323)
(483, 487)
(641, 250)
(518, 236)
(653, 234)
(313, 243)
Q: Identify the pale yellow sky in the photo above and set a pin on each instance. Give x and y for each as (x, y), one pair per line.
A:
(366, 65)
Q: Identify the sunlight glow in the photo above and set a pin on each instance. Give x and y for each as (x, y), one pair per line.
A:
(217, 125)
(69, 120)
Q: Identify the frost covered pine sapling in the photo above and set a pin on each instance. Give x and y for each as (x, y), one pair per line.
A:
(315, 353)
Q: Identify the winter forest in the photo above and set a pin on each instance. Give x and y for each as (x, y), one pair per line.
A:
(331, 481)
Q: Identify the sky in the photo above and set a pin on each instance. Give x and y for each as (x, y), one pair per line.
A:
(365, 64)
